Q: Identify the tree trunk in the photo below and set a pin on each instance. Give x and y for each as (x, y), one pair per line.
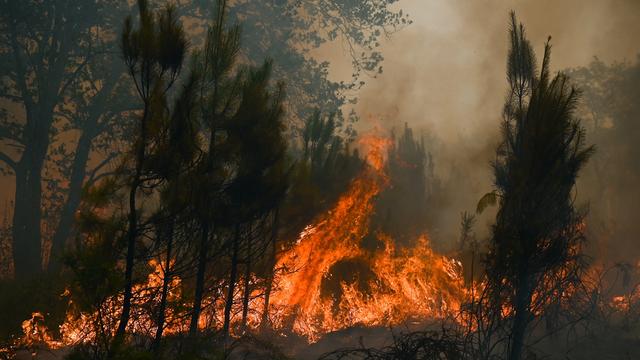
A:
(128, 275)
(521, 319)
(27, 239)
(26, 225)
(27, 242)
(247, 285)
(267, 293)
(65, 224)
(232, 284)
(165, 287)
(78, 173)
(132, 234)
(202, 258)
(199, 291)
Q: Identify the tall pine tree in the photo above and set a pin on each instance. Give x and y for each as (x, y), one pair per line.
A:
(538, 230)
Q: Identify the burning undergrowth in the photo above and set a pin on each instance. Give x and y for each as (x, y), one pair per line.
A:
(330, 281)
(326, 281)
(341, 273)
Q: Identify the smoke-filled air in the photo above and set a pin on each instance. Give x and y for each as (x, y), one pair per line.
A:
(319, 179)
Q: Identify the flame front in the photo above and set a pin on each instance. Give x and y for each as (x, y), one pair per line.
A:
(405, 284)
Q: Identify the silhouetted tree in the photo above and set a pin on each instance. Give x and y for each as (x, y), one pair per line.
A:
(402, 208)
(536, 239)
(260, 177)
(219, 94)
(174, 160)
(326, 163)
(93, 263)
(101, 101)
(52, 55)
(286, 31)
(153, 53)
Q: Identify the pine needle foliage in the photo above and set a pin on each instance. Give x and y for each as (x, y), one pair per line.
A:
(538, 229)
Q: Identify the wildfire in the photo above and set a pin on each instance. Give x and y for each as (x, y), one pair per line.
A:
(402, 284)
(80, 327)
(397, 284)
(36, 333)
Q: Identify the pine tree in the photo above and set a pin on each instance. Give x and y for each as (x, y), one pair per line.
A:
(260, 180)
(174, 160)
(403, 204)
(538, 231)
(153, 54)
(218, 95)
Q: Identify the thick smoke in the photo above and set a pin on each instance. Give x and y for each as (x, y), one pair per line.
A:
(445, 75)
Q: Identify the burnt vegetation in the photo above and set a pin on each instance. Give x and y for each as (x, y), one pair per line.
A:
(189, 185)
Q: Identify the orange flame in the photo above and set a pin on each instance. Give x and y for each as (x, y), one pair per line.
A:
(409, 283)
(405, 283)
